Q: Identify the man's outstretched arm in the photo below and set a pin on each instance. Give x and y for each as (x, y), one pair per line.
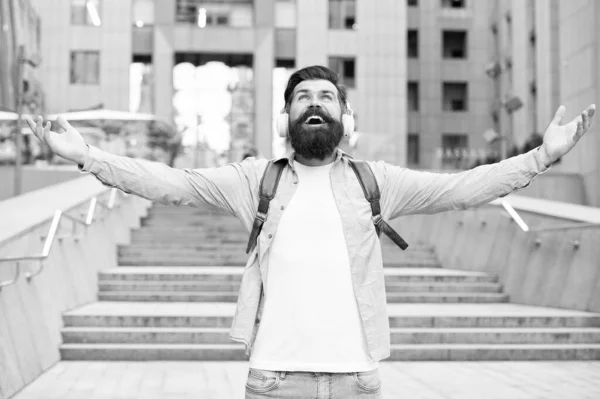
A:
(226, 188)
(409, 192)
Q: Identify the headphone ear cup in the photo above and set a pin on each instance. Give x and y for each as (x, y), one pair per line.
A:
(348, 124)
(283, 124)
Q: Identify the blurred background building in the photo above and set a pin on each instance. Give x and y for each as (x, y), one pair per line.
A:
(435, 84)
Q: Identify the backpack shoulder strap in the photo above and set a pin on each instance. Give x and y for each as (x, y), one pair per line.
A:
(267, 190)
(370, 188)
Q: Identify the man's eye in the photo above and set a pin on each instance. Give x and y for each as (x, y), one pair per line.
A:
(302, 97)
(328, 97)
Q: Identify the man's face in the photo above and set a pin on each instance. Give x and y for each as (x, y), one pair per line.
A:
(315, 119)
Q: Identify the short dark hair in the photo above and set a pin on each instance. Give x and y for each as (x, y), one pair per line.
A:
(314, 72)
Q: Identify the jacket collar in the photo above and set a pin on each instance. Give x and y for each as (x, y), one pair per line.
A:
(289, 157)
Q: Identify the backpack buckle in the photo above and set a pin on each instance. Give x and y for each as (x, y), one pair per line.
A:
(261, 216)
(377, 219)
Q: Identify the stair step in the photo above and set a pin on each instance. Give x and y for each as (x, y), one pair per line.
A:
(223, 352)
(174, 245)
(200, 245)
(392, 297)
(234, 273)
(509, 352)
(558, 335)
(198, 260)
(413, 336)
(234, 286)
(168, 296)
(239, 253)
(142, 352)
(141, 335)
(237, 250)
(149, 261)
(197, 314)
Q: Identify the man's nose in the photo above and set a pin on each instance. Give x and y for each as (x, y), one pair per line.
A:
(314, 102)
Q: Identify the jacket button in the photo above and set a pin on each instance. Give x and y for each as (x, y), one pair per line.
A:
(257, 321)
(282, 207)
(270, 235)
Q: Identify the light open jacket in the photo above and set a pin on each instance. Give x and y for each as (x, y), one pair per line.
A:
(234, 189)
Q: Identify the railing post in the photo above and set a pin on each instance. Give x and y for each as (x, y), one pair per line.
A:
(51, 236)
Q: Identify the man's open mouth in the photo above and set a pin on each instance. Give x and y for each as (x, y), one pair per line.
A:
(314, 120)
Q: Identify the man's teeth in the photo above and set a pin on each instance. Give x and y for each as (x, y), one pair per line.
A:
(315, 119)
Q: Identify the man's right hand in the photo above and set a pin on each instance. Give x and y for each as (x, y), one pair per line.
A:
(68, 145)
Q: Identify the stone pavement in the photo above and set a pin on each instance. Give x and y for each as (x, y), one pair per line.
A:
(411, 380)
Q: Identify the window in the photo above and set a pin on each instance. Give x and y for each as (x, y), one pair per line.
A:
(285, 63)
(206, 13)
(85, 12)
(455, 149)
(454, 44)
(344, 67)
(413, 149)
(453, 3)
(413, 43)
(85, 67)
(413, 96)
(454, 96)
(342, 14)
(412, 3)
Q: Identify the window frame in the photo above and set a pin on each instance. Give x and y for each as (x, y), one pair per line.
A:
(72, 73)
(465, 48)
(446, 99)
(345, 81)
(415, 84)
(416, 154)
(408, 42)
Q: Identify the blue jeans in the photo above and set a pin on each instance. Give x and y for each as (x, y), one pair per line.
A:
(302, 384)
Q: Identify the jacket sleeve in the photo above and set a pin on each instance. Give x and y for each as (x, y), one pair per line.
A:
(228, 188)
(408, 192)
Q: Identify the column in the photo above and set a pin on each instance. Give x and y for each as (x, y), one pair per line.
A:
(263, 64)
(163, 58)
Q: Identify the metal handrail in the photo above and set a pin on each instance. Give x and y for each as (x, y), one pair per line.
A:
(51, 236)
(41, 257)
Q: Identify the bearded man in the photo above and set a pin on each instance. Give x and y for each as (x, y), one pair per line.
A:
(311, 310)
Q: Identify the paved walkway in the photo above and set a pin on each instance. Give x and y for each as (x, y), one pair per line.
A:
(410, 380)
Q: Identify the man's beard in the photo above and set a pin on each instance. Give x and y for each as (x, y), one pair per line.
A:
(315, 142)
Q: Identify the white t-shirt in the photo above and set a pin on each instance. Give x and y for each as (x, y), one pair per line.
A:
(310, 320)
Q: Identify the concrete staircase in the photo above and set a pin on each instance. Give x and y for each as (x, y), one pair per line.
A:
(173, 298)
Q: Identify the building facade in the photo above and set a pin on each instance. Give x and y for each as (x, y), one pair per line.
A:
(524, 67)
(435, 84)
(90, 45)
(579, 85)
(448, 92)
(544, 53)
(20, 28)
(20, 39)
(86, 52)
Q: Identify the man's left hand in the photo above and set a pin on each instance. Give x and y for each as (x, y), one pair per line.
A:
(558, 140)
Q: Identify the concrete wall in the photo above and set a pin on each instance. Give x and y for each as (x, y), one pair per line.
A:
(30, 312)
(33, 179)
(558, 186)
(555, 274)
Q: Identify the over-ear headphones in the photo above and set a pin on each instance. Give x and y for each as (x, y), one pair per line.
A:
(283, 122)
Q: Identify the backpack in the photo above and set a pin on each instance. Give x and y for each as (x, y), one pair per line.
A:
(366, 178)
